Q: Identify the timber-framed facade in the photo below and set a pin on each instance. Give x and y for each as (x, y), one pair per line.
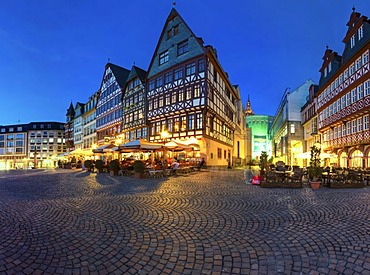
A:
(190, 96)
(344, 97)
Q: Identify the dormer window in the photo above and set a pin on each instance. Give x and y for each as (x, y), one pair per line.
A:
(329, 67)
(325, 72)
(360, 32)
(353, 39)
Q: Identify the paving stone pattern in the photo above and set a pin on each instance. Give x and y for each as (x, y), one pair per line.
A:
(209, 222)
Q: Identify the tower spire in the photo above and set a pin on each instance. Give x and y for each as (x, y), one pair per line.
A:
(249, 110)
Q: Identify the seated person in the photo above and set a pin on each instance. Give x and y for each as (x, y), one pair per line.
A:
(175, 166)
(201, 164)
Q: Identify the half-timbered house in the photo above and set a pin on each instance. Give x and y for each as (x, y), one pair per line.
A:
(109, 106)
(133, 102)
(344, 97)
(68, 128)
(190, 96)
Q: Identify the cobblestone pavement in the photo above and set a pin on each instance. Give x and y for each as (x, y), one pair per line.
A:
(74, 222)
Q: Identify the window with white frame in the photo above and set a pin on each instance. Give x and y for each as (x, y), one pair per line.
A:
(358, 63)
(292, 128)
(367, 87)
(343, 102)
(339, 130)
(348, 99)
(348, 126)
(340, 79)
(366, 122)
(352, 69)
(360, 91)
(353, 95)
(354, 126)
(353, 40)
(331, 134)
(343, 130)
(365, 57)
(345, 74)
(359, 124)
(360, 32)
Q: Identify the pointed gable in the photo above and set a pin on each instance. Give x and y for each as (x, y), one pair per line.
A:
(137, 72)
(79, 109)
(70, 111)
(358, 35)
(330, 65)
(177, 43)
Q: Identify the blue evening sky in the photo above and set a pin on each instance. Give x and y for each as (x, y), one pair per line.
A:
(54, 51)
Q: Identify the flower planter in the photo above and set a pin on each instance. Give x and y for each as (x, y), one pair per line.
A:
(315, 184)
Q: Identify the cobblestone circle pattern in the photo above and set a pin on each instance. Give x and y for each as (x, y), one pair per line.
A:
(208, 222)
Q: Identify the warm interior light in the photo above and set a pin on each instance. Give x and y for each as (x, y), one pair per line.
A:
(164, 134)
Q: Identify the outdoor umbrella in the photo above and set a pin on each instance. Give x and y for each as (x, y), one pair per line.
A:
(140, 144)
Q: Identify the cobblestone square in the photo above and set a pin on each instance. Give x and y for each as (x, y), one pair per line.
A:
(209, 222)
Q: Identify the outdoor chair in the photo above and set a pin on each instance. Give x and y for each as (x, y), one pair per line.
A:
(296, 177)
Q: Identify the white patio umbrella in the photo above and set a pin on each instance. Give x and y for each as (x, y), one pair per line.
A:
(141, 144)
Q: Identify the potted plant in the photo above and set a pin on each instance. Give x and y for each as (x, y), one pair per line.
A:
(99, 165)
(263, 163)
(315, 171)
(114, 167)
(139, 168)
(88, 164)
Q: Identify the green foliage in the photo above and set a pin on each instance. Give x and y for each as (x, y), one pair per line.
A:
(114, 165)
(263, 162)
(88, 164)
(139, 166)
(99, 165)
(315, 171)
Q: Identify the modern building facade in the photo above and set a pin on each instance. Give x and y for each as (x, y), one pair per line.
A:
(287, 131)
(190, 96)
(36, 144)
(260, 140)
(343, 98)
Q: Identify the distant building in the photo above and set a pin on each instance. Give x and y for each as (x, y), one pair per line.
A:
(343, 98)
(36, 144)
(260, 141)
(89, 121)
(68, 128)
(287, 131)
(78, 125)
(259, 126)
(311, 135)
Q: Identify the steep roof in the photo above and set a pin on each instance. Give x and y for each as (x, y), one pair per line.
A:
(137, 72)
(70, 111)
(120, 73)
(164, 43)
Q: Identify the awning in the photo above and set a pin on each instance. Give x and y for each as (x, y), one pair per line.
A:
(104, 148)
(141, 144)
(307, 155)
